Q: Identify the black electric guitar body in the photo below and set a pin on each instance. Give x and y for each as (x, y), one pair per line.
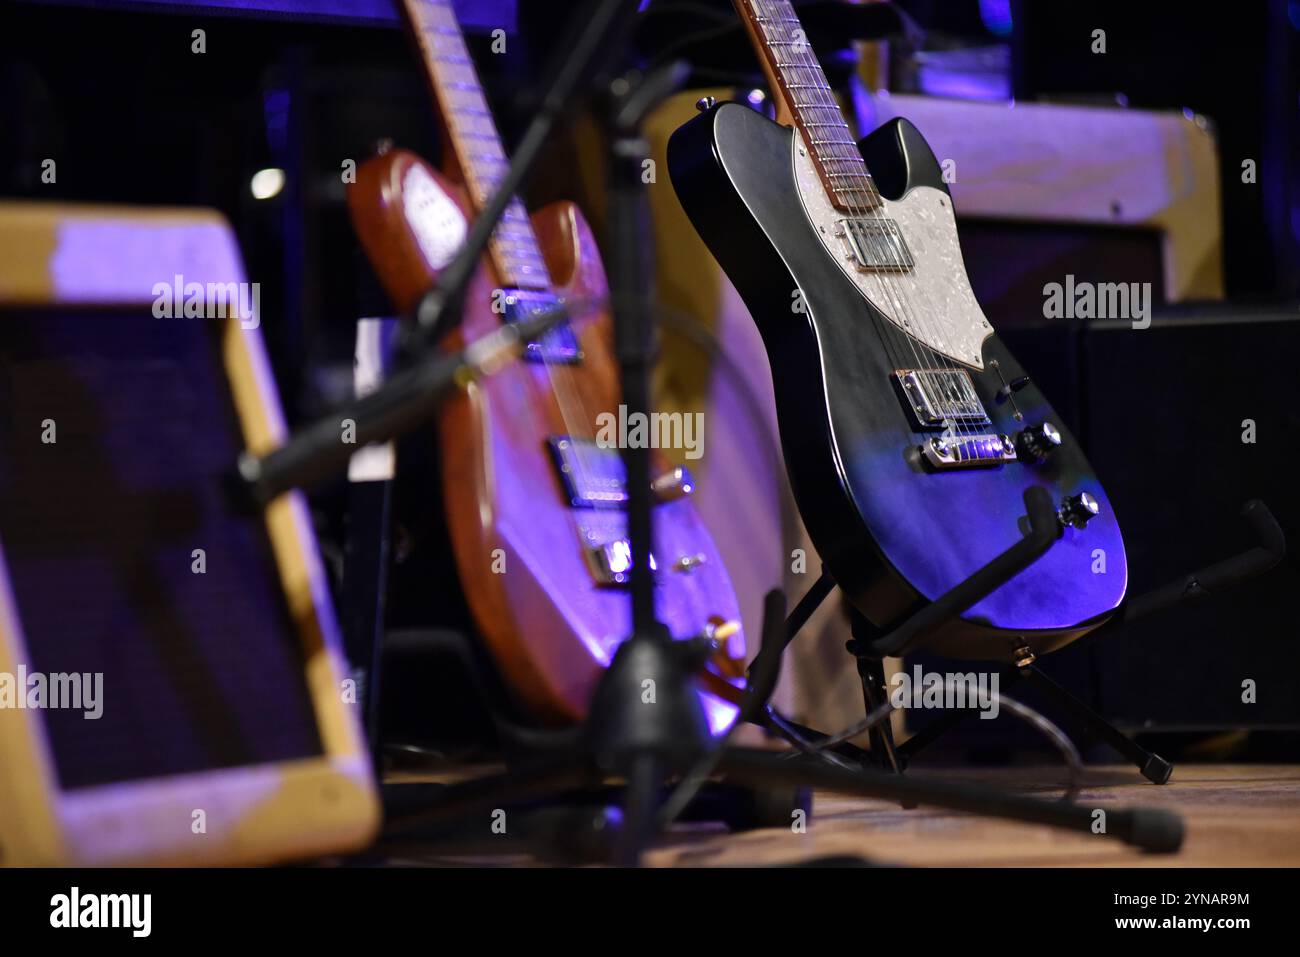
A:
(910, 433)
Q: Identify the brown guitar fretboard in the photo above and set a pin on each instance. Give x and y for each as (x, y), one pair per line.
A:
(474, 138)
(798, 80)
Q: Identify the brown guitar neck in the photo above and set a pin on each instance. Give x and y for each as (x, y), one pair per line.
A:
(473, 137)
(804, 95)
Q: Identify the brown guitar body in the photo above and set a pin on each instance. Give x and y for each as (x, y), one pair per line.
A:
(519, 543)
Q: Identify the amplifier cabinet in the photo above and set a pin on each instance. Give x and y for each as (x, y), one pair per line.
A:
(171, 683)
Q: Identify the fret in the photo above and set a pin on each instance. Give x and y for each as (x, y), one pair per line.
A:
(822, 112)
(519, 263)
(468, 120)
(522, 255)
(849, 154)
(474, 138)
(472, 111)
(462, 101)
(449, 73)
(517, 259)
(806, 73)
(433, 13)
(850, 159)
(470, 134)
(446, 42)
(836, 149)
(512, 230)
(824, 100)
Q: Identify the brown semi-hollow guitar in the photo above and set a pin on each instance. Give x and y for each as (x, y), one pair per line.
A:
(534, 503)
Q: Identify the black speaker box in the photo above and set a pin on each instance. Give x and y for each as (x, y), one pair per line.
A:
(1185, 421)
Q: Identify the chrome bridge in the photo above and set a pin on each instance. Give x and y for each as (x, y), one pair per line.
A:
(875, 244)
(945, 401)
(557, 344)
(594, 479)
(950, 451)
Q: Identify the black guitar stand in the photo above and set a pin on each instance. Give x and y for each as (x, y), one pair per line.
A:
(645, 747)
(869, 646)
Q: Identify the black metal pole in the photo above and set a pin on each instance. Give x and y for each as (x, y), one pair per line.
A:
(630, 289)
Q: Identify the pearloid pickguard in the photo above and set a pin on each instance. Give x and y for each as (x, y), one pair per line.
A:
(932, 301)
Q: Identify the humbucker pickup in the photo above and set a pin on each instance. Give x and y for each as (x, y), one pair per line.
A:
(933, 398)
(875, 243)
(593, 476)
(558, 344)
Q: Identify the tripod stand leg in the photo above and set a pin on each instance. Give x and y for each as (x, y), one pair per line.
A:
(1153, 767)
(1151, 829)
(884, 753)
(640, 804)
(871, 672)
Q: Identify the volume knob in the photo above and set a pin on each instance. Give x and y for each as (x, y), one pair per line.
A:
(1078, 509)
(676, 483)
(1038, 442)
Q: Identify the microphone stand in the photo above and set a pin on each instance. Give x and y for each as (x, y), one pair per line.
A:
(413, 394)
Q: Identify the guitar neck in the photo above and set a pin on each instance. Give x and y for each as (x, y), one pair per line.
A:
(473, 137)
(804, 95)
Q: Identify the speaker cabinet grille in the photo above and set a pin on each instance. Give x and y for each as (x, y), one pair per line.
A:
(125, 557)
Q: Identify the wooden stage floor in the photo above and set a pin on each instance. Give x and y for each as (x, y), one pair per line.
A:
(1235, 816)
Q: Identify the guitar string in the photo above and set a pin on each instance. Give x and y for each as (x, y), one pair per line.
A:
(895, 287)
(823, 99)
(895, 284)
(765, 12)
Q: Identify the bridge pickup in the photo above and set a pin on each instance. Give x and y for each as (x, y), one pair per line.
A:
(558, 344)
(875, 243)
(968, 451)
(934, 398)
(593, 477)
